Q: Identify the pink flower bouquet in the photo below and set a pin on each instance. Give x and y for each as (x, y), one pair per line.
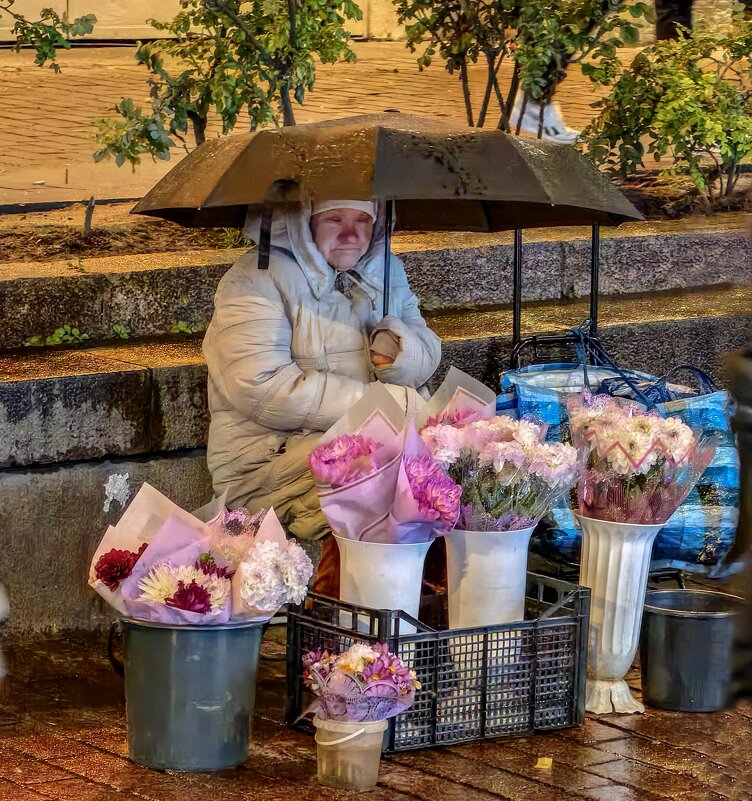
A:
(377, 481)
(509, 476)
(639, 466)
(388, 494)
(365, 683)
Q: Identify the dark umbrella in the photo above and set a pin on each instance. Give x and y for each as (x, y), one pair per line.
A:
(435, 176)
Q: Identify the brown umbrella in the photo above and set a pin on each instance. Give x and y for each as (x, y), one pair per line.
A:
(440, 178)
(435, 176)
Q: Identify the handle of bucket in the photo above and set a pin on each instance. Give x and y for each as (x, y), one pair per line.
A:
(117, 665)
(344, 739)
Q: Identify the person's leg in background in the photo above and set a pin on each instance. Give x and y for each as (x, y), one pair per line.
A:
(669, 14)
(326, 580)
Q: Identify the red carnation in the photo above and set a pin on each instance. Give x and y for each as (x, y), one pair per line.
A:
(115, 566)
(191, 597)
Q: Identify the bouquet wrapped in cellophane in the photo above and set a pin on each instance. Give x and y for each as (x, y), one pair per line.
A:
(377, 481)
(365, 683)
(639, 466)
(163, 564)
(509, 476)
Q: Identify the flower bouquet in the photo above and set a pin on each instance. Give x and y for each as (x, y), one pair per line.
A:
(510, 478)
(638, 468)
(164, 565)
(356, 692)
(385, 498)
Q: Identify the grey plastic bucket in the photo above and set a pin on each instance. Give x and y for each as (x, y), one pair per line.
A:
(686, 649)
(189, 693)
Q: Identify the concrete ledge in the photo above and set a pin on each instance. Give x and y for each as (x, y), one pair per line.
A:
(148, 294)
(123, 401)
(53, 521)
(73, 405)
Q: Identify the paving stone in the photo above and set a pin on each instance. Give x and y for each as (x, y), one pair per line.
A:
(82, 790)
(46, 745)
(15, 792)
(23, 769)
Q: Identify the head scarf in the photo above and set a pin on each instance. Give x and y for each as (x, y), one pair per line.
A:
(367, 206)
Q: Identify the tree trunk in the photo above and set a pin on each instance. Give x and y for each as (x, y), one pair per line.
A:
(506, 108)
(466, 94)
(198, 124)
(288, 116)
(489, 87)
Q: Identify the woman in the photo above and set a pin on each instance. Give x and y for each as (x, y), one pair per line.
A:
(292, 348)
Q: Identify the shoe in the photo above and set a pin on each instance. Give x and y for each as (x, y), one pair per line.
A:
(554, 127)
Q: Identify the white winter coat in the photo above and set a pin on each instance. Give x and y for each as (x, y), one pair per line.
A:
(288, 355)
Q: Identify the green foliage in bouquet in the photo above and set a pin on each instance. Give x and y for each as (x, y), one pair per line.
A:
(689, 99)
(229, 58)
(539, 39)
(50, 33)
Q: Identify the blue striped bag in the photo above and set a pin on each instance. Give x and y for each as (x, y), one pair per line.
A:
(701, 532)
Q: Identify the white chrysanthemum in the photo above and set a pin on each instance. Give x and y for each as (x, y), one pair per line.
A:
(159, 583)
(261, 586)
(297, 570)
(556, 463)
(356, 657)
(445, 443)
(220, 589)
(528, 434)
(677, 438)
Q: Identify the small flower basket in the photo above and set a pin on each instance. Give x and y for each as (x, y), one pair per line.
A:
(356, 692)
(348, 753)
(475, 683)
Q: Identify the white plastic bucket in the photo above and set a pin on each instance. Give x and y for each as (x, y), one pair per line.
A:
(348, 753)
(382, 575)
(486, 577)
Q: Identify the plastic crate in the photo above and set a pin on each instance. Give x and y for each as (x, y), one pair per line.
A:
(479, 683)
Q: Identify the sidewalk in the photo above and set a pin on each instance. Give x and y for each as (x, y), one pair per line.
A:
(46, 135)
(63, 737)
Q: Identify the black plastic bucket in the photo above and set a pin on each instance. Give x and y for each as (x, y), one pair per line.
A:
(685, 649)
(189, 693)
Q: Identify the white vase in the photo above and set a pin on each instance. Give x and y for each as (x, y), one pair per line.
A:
(382, 575)
(615, 564)
(486, 577)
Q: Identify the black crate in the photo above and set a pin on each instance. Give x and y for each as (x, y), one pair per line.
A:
(477, 683)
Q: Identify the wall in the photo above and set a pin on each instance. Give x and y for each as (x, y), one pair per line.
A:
(126, 19)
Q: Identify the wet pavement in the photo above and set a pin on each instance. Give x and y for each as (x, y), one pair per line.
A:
(63, 736)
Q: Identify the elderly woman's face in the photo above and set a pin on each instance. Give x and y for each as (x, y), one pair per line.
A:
(342, 236)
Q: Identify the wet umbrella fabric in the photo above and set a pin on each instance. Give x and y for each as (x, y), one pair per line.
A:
(434, 176)
(440, 178)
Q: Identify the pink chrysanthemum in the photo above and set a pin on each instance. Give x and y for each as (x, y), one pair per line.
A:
(437, 495)
(457, 418)
(344, 459)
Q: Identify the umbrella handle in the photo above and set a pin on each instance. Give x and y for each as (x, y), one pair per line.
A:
(265, 238)
(388, 214)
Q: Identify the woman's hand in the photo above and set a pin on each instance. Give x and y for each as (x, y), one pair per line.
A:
(379, 360)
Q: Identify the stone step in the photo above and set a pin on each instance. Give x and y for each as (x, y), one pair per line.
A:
(122, 401)
(152, 295)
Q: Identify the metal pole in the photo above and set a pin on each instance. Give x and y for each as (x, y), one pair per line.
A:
(388, 213)
(595, 257)
(517, 288)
